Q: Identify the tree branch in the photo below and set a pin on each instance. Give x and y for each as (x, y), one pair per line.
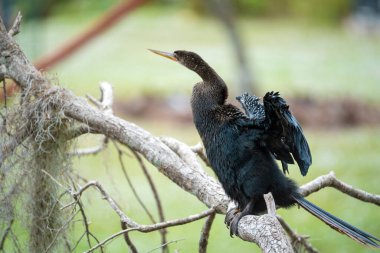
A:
(298, 241)
(330, 180)
(205, 233)
(6, 232)
(157, 226)
(199, 150)
(16, 25)
(156, 198)
(264, 230)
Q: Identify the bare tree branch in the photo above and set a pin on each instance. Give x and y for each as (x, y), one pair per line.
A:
(199, 150)
(16, 25)
(11, 144)
(124, 218)
(128, 240)
(4, 92)
(157, 226)
(298, 241)
(91, 151)
(330, 180)
(265, 230)
(269, 201)
(205, 233)
(85, 222)
(104, 104)
(165, 245)
(78, 131)
(120, 155)
(5, 234)
(157, 199)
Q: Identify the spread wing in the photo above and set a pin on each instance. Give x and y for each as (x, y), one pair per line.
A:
(284, 135)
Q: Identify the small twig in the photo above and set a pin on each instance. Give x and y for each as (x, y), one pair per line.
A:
(92, 150)
(205, 233)
(9, 147)
(132, 187)
(78, 131)
(94, 101)
(128, 240)
(105, 105)
(330, 180)
(16, 25)
(296, 239)
(67, 243)
(87, 229)
(165, 245)
(16, 243)
(73, 172)
(269, 201)
(78, 241)
(200, 151)
(156, 198)
(4, 94)
(108, 198)
(55, 180)
(6, 232)
(60, 230)
(154, 227)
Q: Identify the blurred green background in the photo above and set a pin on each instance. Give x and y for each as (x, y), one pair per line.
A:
(320, 50)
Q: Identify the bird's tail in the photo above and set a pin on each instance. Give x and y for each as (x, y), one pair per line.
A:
(338, 224)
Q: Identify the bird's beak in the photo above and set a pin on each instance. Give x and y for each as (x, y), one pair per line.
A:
(238, 98)
(170, 56)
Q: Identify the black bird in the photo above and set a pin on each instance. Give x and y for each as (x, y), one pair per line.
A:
(245, 167)
(284, 134)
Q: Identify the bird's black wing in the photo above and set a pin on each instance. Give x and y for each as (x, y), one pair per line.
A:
(271, 134)
(285, 134)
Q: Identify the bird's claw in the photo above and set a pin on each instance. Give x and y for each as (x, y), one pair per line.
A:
(232, 219)
(230, 215)
(234, 225)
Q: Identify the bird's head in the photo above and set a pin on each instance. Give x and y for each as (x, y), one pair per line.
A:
(188, 59)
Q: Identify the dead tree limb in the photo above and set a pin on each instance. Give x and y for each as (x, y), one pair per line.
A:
(330, 180)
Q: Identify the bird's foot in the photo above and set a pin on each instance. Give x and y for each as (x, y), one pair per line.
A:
(234, 224)
(230, 215)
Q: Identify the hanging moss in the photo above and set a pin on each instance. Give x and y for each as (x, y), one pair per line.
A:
(39, 127)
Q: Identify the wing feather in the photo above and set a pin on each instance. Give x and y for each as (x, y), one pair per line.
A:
(292, 135)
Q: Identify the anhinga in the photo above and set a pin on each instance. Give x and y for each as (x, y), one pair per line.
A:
(241, 147)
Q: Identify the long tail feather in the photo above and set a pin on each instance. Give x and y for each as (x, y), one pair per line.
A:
(338, 224)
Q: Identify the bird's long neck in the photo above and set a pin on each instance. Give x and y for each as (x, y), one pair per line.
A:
(206, 97)
(212, 91)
